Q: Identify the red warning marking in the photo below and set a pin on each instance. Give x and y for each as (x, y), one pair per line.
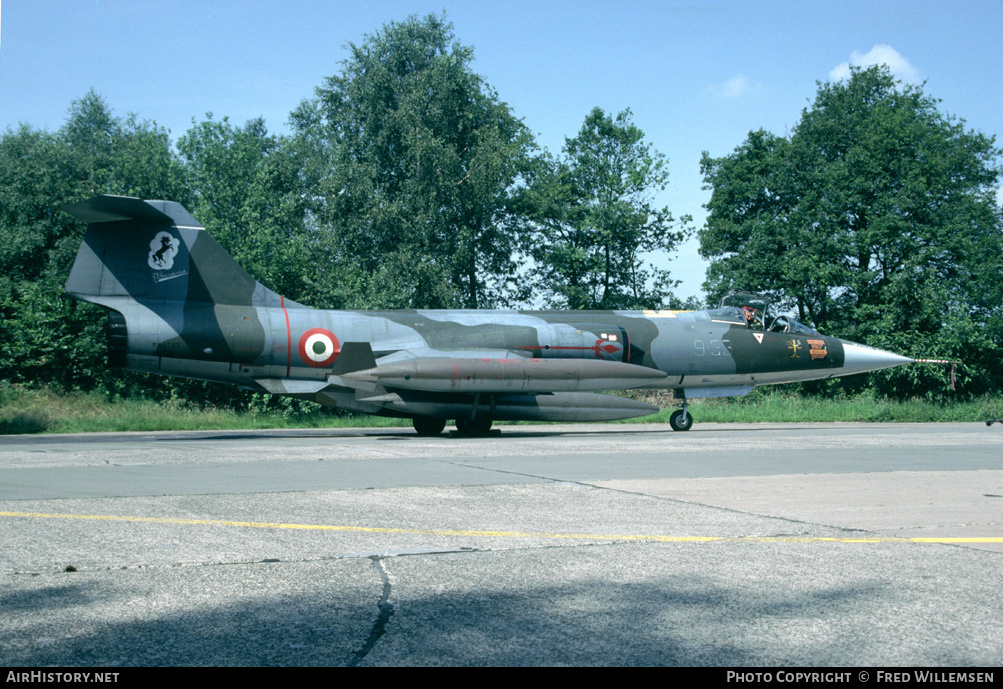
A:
(319, 348)
(608, 347)
(759, 337)
(598, 348)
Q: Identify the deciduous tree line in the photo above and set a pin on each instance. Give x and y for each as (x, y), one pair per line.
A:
(406, 182)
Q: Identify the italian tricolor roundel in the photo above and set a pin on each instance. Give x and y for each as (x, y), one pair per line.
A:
(319, 348)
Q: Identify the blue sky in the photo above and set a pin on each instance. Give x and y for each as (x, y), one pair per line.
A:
(697, 75)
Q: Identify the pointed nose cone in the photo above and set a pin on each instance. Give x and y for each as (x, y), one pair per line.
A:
(858, 358)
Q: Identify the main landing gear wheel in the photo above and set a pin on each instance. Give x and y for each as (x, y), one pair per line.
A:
(428, 425)
(681, 420)
(473, 427)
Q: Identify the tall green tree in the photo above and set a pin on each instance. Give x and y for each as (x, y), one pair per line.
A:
(876, 219)
(249, 192)
(93, 153)
(419, 159)
(45, 338)
(594, 220)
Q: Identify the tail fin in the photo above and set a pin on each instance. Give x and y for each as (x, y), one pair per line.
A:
(154, 251)
(175, 295)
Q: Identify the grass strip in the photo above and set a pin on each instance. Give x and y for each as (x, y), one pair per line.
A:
(44, 411)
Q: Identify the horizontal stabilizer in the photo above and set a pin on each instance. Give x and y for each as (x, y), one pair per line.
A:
(108, 208)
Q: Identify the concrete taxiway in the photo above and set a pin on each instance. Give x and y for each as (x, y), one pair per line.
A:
(759, 544)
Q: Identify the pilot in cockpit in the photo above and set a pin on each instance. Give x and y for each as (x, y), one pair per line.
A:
(753, 319)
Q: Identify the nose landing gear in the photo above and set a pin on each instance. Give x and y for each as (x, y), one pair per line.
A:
(681, 420)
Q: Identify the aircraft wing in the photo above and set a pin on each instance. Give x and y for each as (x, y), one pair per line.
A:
(472, 371)
(442, 383)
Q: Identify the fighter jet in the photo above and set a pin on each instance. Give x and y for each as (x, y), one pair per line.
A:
(181, 306)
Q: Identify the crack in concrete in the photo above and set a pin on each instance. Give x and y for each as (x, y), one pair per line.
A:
(386, 610)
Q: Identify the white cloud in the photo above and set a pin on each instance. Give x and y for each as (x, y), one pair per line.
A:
(880, 54)
(735, 87)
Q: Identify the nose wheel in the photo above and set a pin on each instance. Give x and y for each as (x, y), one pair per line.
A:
(681, 419)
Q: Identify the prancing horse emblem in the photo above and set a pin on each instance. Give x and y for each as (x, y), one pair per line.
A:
(163, 249)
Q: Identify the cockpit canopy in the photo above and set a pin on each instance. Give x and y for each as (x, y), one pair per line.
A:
(786, 324)
(751, 310)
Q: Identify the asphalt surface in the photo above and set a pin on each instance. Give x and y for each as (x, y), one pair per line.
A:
(764, 545)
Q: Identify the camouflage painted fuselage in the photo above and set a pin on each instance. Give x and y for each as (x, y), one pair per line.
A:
(181, 306)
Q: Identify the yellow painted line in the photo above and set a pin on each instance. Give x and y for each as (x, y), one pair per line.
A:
(500, 534)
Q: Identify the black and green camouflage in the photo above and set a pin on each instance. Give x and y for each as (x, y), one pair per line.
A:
(183, 307)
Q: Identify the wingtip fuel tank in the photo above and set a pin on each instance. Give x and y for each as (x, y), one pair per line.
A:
(511, 374)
